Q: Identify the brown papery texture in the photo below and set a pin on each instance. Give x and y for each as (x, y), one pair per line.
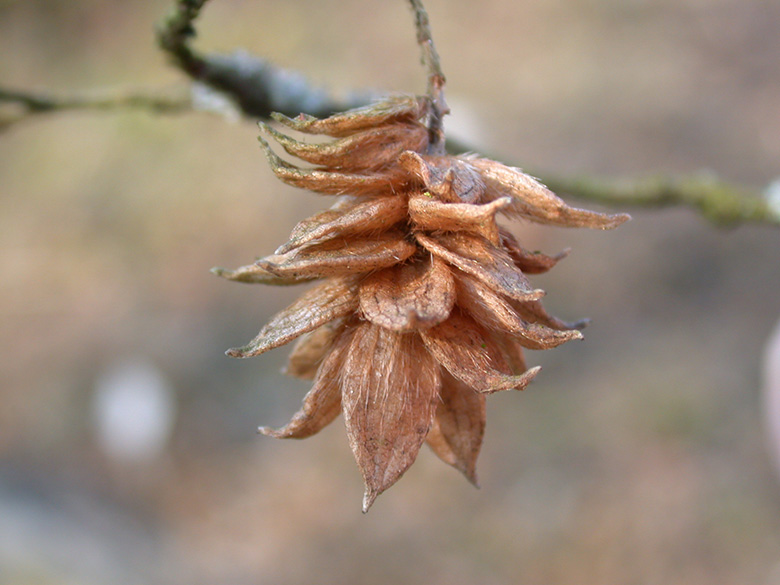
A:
(425, 307)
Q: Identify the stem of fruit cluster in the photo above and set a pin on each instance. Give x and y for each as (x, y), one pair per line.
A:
(436, 79)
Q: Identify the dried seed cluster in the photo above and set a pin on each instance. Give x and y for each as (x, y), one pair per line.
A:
(425, 306)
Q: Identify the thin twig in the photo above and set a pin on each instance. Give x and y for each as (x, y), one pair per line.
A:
(24, 104)
(436, 79)
(175, 32)
(258, 88)
(721, 203)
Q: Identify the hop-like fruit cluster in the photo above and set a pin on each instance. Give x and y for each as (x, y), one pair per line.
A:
(425, 306)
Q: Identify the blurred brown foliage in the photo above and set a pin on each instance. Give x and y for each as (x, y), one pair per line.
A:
(636, 457)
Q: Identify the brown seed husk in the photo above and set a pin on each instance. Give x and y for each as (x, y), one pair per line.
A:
(322, 404)
(535, 312)
(253, 274)
(426, 307)
(336, 297)
(337, 256)
(389, 391)
(429, 214)
(373, 215)
(367, 151)
(496, 313)
(449, 179)
(513, 352)
(472, 356)
(388, 111)
(333, 182)
(478, 257)
(526, 261)
(457, 431)
(407, 297)
(535, 202)
(311, 348)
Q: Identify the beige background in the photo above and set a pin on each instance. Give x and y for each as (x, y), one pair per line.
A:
(638, 456)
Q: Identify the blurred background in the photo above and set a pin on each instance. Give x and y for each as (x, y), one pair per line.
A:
(128, 452)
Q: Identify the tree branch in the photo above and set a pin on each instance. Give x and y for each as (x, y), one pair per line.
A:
(250, 81)
(24, 104)
(259, 88)
(721, 203)
(436, 79)
(175, 32)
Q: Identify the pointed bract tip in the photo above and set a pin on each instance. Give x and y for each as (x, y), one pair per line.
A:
(500, 203)
(368, 499)
(471, 475)
(237, 352)
(529, 376)
(616, 220)
(274, 160)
